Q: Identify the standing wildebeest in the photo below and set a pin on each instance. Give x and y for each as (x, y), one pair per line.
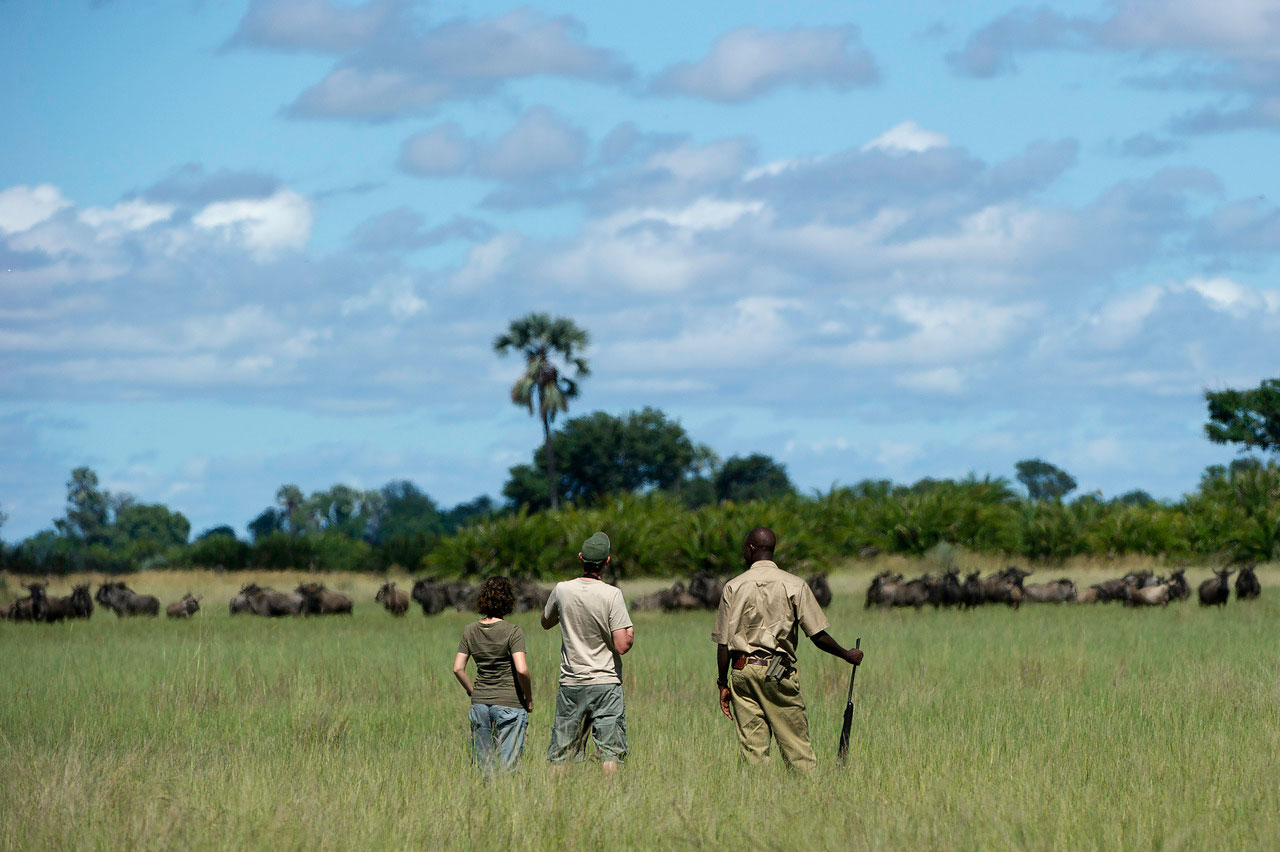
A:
(1005, 587)
(1058, 591)
(392, 599)
(431, 595)
(1089, 595)
(947, 591)
(707, 588)
(971, 593)
(34, 607)
(1215, 590)
(1178, 588)
(185, 608)
(78, 604)
(1247, 585)
(317, 600)
(817, 584)
(271, 603)
(668, 600)
(124, 601)
(875, 591)
(530, 596)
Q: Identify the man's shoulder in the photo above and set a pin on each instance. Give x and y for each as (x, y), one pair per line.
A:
(764, 572)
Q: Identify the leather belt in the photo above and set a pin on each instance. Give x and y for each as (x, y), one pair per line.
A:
(741, 660)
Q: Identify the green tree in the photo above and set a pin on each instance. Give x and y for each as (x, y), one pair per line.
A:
(599, 454)
(221, 529)
(544, 341)
(753, 477)
(1250, 417)
(139, 522)
(291, 505)
(88, 509)
(1044, 481)
(268, 522)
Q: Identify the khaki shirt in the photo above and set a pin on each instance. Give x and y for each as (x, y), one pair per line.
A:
(760, 609)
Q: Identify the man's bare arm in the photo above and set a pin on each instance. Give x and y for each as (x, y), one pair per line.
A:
(826, 642)
(623, 640)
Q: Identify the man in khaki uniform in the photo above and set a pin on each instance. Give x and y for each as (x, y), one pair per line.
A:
(755, 633)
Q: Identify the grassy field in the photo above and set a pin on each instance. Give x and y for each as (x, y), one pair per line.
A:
(1048, 727)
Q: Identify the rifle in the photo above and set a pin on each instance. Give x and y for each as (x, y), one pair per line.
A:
(842, 753)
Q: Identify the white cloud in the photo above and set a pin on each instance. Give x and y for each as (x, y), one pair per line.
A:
(397, 296)
(265, 225)
(132, 215)
(943, 380)
(907, 136)
(22, 207)
(748, 62)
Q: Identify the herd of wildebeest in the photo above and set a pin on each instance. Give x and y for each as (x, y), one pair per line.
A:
(700, 591)
(1137, 588)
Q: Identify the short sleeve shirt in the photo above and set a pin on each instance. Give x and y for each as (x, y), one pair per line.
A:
(589, 612)
(491, 646)
(760, 609)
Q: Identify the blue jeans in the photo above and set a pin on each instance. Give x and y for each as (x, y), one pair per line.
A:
(497, 735)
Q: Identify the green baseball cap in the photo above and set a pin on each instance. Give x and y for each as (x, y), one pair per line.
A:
(596, 548)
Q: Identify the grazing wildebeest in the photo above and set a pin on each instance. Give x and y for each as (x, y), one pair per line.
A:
(239, 603)
(1151, 595)
(124, 601)
(1058, 591)
(461, 595)
(704, 586)
(78, 604)
(530, 596)
(1112, 590)
(317, 600)
(269, 602)
(431, 595)
(33, 607)
(188, 606)
(1247, 585)
(817, 584)
(1179, 590)
(392, 599)
(1215, 590)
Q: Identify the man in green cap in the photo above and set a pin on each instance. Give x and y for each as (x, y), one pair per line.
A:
(595, 631)
(755, 633)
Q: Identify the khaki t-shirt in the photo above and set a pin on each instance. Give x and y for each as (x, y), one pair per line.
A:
(491, 646)
(589, 612)
(760, 609)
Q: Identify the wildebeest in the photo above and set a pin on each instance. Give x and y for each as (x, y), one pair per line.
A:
(1178, 588)
(33, 607)
(431, 595)
(1058, 591)
(188, 606)
(1247, 585)
(392, 599)
(124, 601)
(239, 603)
(530, 596)
(1005, 586)
(668, 600)
(971, 593)
(1112, 590)
(1089, 595)
(78, 604)
(317, 600)
(707, 588)
(1150, 595)
(817, 584)
(889, 590)
(1215, 590)
(947, 591)
(269, 602)
(461, 595)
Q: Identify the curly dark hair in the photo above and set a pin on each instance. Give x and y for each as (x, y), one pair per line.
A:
(496, 598)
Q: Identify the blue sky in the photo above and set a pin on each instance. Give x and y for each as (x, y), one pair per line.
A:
(243, 244)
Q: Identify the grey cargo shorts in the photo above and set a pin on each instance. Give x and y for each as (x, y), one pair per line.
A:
(595, 708)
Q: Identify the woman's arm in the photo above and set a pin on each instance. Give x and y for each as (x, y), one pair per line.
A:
(521, 662)
(460, 671)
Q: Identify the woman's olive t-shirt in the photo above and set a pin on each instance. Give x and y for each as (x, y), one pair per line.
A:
(491, 646)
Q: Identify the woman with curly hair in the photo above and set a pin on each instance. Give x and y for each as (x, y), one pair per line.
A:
(502, 695)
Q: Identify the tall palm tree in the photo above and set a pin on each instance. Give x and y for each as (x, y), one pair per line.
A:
(540, 338)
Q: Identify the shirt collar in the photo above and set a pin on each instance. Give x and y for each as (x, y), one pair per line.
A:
(762, 563)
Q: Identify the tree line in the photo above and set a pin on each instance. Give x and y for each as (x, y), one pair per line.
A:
(653, 474)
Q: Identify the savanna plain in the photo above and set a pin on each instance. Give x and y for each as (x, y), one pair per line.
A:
(1049, 727)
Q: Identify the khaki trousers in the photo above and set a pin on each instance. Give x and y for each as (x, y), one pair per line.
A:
(762, 708)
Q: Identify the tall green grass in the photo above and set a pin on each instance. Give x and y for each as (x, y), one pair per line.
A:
(1044, 728)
